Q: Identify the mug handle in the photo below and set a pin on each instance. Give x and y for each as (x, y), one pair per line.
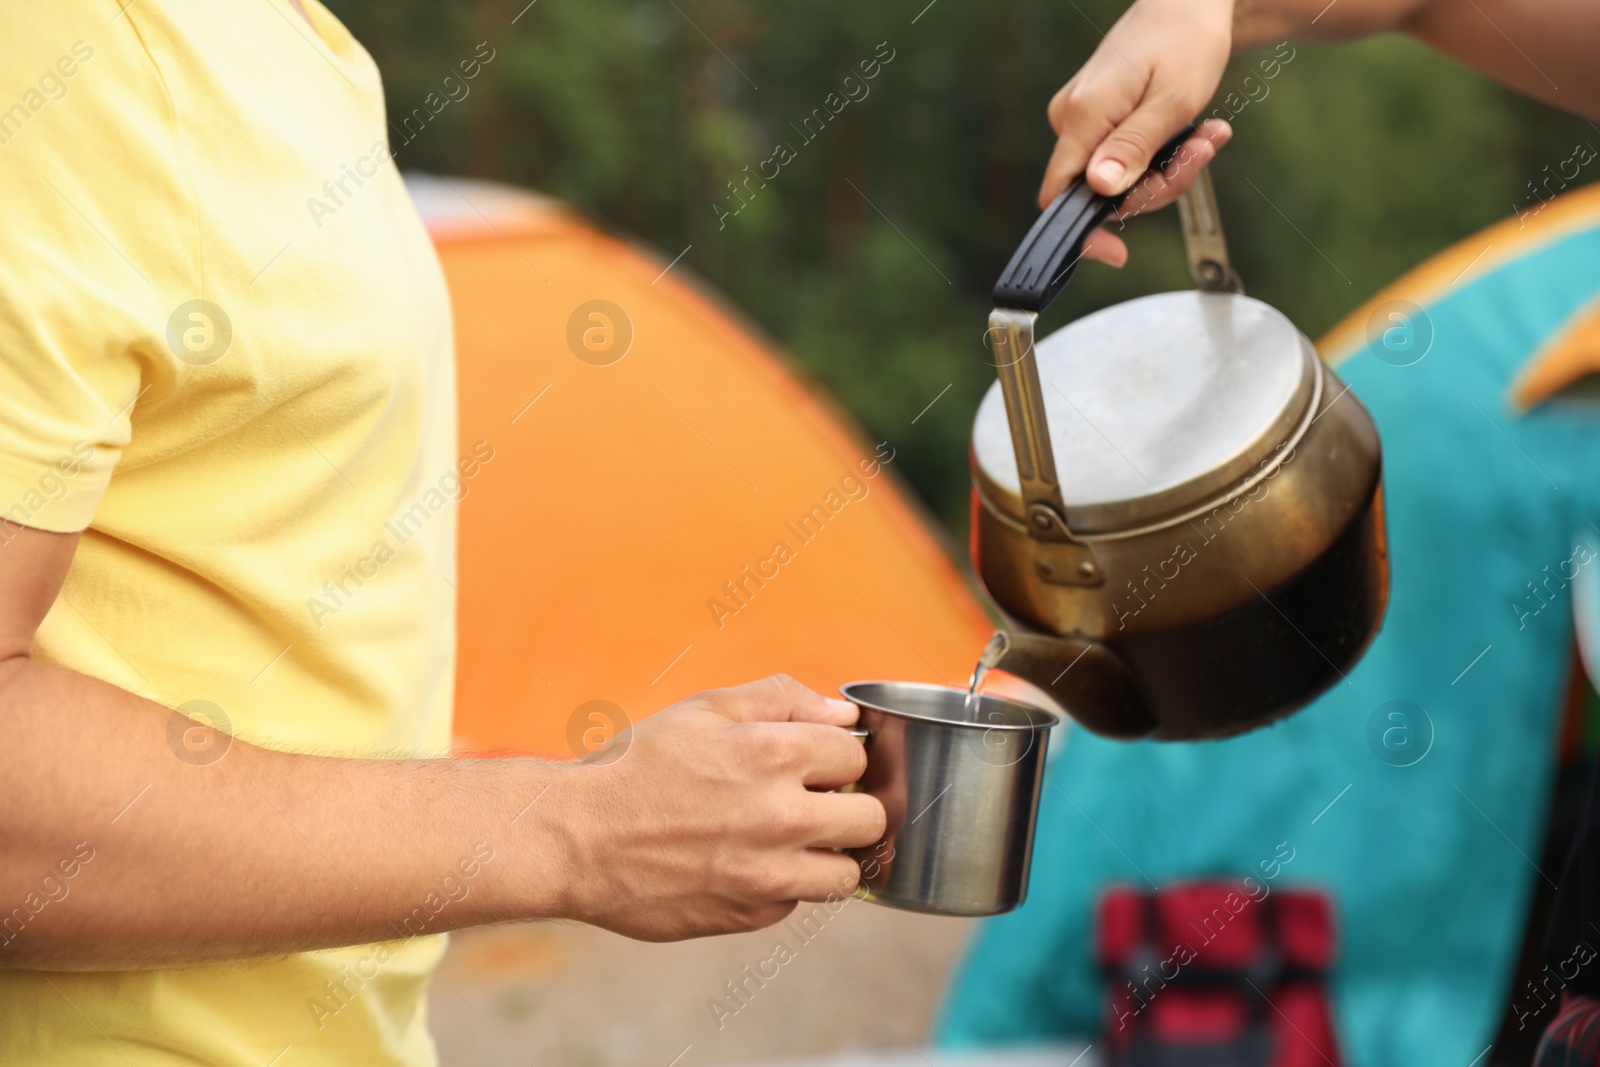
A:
(861, 734)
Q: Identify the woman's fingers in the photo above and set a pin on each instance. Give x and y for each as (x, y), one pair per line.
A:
(1160, 189)
(1106, 247)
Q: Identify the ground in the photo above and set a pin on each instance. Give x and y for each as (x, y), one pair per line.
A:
(862, 984)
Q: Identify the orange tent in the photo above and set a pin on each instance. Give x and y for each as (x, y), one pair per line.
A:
(665, 508)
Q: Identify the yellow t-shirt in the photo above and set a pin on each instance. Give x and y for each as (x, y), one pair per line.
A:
(225, 355)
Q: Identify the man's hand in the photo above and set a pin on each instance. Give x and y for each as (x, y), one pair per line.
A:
(715, 819)
(711, 821)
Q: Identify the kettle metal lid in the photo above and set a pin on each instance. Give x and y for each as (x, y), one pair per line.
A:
(1157, 407)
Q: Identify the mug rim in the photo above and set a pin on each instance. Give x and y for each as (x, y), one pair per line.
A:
(1038, 717)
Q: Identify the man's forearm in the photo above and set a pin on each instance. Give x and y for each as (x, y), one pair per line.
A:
(116, 853)
(1543, 48)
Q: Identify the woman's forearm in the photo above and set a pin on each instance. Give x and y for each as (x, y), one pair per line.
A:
(1259, 22)
(1544, 48)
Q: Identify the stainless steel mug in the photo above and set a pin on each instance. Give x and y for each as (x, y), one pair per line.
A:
(960, 781)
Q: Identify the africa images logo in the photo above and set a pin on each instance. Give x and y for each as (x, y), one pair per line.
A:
(199, 332)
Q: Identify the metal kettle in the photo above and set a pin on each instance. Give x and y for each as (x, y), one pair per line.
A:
(1209, 555)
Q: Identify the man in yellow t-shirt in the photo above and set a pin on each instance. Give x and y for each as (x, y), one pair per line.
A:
(230, 836)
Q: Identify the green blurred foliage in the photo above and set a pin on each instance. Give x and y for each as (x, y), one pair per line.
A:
(871, 254)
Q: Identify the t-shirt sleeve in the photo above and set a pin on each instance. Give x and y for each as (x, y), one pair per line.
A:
(91, 239)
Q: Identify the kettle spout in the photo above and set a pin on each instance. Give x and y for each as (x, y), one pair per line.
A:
(1076, 676)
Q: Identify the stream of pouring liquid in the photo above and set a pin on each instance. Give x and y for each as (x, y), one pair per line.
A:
(969, 709)
(986, 662)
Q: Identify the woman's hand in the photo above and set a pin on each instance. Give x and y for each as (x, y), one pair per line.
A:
(1154, 72)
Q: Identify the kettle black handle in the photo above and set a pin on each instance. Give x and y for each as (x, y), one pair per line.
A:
(1043, 264)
